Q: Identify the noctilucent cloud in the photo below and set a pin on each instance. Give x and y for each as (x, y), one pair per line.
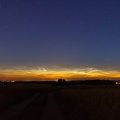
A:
(60, 37)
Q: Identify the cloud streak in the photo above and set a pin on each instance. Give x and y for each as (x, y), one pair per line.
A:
(53, 73)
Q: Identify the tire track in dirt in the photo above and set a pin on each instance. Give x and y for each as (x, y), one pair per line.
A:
(10, 113)
(52, 111)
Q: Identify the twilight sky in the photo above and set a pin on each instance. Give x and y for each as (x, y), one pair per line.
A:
(48, 39)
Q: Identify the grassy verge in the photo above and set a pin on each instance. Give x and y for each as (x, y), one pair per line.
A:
(34, 110)
(13, 94)
(91, 103)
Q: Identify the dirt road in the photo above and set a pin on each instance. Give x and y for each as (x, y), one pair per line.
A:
(15, 110)
(52, 111)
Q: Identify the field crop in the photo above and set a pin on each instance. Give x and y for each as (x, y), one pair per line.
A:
(90, 103)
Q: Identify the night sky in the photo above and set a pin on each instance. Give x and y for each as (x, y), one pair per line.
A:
(48, 39)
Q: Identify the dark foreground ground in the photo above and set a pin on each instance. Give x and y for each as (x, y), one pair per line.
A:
(46, 102)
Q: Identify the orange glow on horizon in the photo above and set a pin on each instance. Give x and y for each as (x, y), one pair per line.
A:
(54, 74)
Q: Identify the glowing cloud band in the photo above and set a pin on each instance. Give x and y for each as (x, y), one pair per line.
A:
(40, 73)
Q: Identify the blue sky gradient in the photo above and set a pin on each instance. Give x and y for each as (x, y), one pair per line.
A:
(74, 33)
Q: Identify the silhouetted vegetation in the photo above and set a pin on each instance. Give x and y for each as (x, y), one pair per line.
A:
(92, 82)
(91, 103)
(62, 82)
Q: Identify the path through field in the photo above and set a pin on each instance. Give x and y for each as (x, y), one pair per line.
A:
(15, 110)
(52, 111)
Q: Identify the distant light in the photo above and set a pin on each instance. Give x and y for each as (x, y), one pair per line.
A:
(12, 81)
(117, 83)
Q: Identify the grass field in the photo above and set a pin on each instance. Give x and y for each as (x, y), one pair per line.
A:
(77, 102)
(12, 94)
(34, 110)
(90, 103)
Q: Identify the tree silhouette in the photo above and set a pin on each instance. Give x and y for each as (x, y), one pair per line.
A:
(61, 82)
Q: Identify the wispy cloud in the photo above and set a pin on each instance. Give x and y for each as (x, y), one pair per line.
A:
(55, 72)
